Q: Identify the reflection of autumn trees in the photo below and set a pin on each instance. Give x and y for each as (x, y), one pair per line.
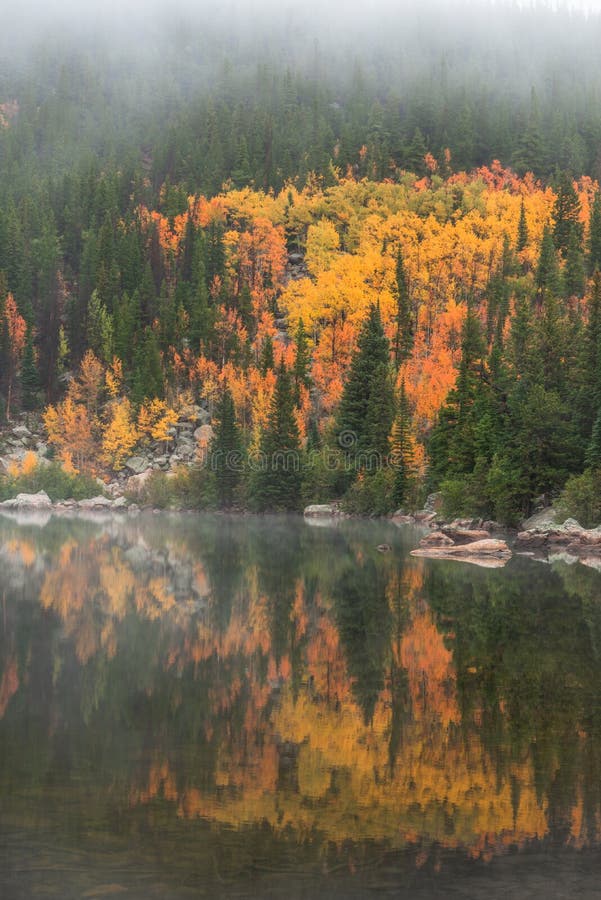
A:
(250, 672)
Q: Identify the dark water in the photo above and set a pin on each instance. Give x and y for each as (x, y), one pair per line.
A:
(214, 707)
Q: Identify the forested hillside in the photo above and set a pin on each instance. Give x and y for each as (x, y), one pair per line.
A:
(361, 248)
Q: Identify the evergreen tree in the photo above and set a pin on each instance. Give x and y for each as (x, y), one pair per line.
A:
(302, 361)
(456, 439)
(574, 275)
(522, 235)
(267, 360)
(594, 237)
(226, 456)
(593, 451)
(566, 213)
(402, 455)
(148, 370)
(30, 379)
(356, 427)
(547, 272)
(403, 341)
(276, 481)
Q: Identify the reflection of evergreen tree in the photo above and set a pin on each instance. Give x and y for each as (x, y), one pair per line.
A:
(363, 619)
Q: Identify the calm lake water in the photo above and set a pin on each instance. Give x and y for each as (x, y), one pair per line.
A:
(199, 706)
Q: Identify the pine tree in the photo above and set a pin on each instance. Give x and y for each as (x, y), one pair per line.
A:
(403, 341)
(566, 213)
(522, 235)
(148, 370)
(226, 456)
(574, 276)
(403, 451)
(30, 379)
(593, 451)
(276, 482)
(302, 361)
(547, 272)
(267, 360)
(354, 423)
(594, 238)
(455, 441)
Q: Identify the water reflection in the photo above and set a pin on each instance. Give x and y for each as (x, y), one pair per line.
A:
(293, 685)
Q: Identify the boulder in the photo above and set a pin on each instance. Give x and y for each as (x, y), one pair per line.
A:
(21, 431)
(433, 502)
(436, 539)
(423, 517)
(98, 502)
(137, 464)
(545, 518)
(465, 535)
(490, 547)
(135, 483)
(41, 500)
(320, 511)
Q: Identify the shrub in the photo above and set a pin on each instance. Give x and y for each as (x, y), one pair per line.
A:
(581, 498)
(371, 495)
(56, 481)
(187, 488)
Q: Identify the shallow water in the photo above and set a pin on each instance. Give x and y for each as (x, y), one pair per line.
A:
(209, 706)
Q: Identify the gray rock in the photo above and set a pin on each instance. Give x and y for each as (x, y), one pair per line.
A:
(41, 500)
(137, 464)
(21, 431)
(95, 503)
(546, 517)
(320, 511)
(433, 502)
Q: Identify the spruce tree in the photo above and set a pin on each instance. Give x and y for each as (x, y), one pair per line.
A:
(402, 455)
(267, 360)
(354, 423)
(522, 235)
(30, 379)
(226, 457)
(148, 370)
(594, 237)
(593, 451)
(547, 272)
(276, 482)
(302, 360)
(574, 276)
(403, 340)
(566, 213)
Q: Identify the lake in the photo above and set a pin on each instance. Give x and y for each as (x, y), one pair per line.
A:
(212, 706)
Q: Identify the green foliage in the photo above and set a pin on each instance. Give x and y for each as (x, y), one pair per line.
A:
(371, 494)
(226, 451)
(186, 488)
(366, 410)
(52, 478)
(404, 333)
(277, 475)
(581, 498)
